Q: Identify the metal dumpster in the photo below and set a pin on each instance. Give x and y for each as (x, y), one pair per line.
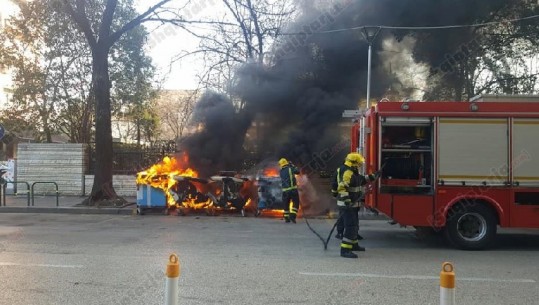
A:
(149, 197)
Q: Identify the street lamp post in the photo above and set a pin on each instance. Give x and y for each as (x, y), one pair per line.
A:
(370, 34)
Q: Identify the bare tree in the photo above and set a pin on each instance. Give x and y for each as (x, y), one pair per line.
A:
(175, 110)
(101, 37)
(243, 34)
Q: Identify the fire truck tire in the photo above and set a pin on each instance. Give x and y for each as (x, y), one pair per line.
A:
(471, 228)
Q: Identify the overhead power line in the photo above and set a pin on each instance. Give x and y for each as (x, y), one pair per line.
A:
(422, 28)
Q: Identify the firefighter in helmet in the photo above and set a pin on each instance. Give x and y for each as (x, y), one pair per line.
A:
(348, 189)
(290, 189)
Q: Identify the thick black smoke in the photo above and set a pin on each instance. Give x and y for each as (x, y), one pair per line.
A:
(311, 78)
(217, 143)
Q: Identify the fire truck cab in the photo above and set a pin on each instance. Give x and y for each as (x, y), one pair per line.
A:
(461, 168)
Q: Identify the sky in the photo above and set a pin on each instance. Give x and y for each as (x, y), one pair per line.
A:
(167, 41)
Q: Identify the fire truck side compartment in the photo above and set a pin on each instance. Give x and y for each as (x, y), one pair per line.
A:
(482, 155)
(406, 189)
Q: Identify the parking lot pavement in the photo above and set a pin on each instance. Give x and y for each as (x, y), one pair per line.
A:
(114, 259)
(61, 205)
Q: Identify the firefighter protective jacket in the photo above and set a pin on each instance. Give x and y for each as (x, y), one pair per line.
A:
(349, 183)
(288, 177)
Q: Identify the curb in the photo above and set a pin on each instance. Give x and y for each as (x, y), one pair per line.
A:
(68, 210)
(131, 211)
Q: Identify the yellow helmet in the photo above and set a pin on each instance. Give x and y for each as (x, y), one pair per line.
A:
(356, 159)
(283, 162)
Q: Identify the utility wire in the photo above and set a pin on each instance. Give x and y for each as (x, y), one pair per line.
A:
(418, 28)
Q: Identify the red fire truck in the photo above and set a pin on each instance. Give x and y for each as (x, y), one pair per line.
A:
(461, 168)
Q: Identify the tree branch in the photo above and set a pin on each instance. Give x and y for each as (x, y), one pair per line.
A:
(179, 22)
(135, 22)
(106, 22)
(80, 18)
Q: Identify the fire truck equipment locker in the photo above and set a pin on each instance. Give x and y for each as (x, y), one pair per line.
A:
(525, 172)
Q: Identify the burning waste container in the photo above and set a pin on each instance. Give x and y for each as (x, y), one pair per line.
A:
(191, 194)
(149, 197)
(229, 192)
(269, 193)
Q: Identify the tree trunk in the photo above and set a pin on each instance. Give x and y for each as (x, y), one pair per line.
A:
(86, 124)
(138, 132)
(102, 188)
(46, 128)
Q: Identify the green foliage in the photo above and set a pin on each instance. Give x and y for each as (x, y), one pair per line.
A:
(52, 70)
(491, 59)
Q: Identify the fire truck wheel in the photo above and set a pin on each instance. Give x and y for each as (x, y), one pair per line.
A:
(471, 228)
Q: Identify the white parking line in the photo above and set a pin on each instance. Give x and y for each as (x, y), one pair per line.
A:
(40, 265)
(417, 277)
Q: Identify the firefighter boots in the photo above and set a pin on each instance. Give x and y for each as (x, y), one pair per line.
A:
(347, 253)
(357, 247)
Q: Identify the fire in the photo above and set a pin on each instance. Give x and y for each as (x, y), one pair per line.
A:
(271, 172)
(185, 190)
(162, 176)
(169, 167)
(191, 203)
(278, 213)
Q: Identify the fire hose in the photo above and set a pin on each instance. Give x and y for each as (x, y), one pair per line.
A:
(326, 241)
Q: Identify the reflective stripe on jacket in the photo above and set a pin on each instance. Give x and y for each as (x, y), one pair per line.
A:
(288, 178)
(349, 185)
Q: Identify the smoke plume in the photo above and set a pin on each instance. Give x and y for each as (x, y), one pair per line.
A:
(310, 78)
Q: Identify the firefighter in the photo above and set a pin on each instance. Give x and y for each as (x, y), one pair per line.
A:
(340, 225)
(348, 185)
(290, 189)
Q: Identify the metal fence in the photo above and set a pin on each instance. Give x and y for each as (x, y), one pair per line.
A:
(129, 159)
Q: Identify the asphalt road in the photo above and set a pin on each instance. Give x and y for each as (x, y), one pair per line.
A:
(103, 259)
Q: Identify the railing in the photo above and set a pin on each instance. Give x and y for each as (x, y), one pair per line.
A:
(46, 182)
(16, 193)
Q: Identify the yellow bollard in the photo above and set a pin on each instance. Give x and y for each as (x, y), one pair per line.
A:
(447, 285)
(172, 280)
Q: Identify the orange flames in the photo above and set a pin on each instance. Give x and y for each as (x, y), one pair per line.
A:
(271, 172)
(184, 190)
(161, 176)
